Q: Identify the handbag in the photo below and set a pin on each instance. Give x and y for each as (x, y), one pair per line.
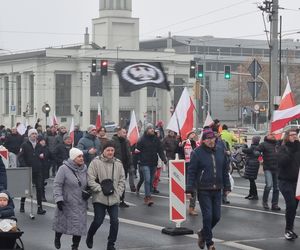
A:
(85, 193)
(107, 185)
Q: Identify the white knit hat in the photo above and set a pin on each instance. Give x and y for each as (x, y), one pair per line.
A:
(31, 131)
(4, 195)
(74, 153)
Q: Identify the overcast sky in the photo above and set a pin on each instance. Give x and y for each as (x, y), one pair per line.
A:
(34, 24)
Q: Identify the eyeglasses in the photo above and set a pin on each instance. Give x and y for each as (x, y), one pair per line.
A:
(293, 134)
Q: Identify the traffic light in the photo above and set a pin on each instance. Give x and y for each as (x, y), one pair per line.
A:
(192, 69)
(104, 66)
(94, 65)
(200, 71)
(227, 74)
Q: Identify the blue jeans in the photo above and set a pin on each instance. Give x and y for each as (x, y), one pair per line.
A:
(271, 180)
(210, 204)
(148, 173)
(100, 211)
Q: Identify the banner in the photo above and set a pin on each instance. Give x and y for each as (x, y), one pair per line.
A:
(137, 75)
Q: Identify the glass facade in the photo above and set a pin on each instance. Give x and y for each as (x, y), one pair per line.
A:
(63, 94)
(19, 95)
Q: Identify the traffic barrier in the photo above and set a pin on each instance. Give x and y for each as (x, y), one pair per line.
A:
(177, 198)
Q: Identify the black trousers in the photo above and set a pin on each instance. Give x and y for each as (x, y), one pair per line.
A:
(38, 181)
(253, 188)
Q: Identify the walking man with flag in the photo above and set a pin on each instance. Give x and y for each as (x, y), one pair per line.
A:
(288, 162)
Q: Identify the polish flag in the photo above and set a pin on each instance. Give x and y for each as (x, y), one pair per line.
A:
(54, 120)
(182, 120)
(133, 131)
(98, 120)
(287, 111)
(71, 131)
(208, 121)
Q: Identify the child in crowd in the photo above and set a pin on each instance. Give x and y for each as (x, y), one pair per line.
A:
(7, 214)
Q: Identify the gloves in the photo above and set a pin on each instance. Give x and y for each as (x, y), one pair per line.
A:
(60, 205)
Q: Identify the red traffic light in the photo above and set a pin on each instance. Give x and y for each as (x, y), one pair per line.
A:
(104, 66)
(104, 62)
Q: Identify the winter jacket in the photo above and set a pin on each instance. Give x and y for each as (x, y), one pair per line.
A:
(51, 141)
(289, 161)
(228, 137)
(72, 220)
(59, 138)
(170, 145)
(61, 153)
(46, 161)
(7, 212)
(3, 176)
(149, 146)
(100, 169)
(269, 150)
(30, 157)
(125, 157)
(77, 136)
(87, 142)
(13, 143)
(208, 170)
(252, 162)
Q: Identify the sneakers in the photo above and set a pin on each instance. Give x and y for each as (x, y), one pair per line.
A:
(123, 204)
(290, 235)
(201, 241)
(253, 198)
(265, 206)
(275, 208)
(248, 196)
(89, 241)
(148, 201)
(155, 191)
(211, 247)
(225, 200)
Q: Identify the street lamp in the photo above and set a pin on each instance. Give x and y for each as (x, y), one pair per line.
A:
(46, 110)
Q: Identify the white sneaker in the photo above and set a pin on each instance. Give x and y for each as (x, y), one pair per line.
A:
(289, 235)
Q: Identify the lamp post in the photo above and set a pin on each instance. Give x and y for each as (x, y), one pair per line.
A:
(46, 110)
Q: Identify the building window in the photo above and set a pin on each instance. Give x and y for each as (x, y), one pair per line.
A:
(96, 84)
(31, 94)
(63, 94)
(6, 94)
(19, 95)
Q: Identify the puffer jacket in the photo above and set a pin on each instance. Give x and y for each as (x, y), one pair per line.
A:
(100, 169)
(87, 142)
(7, 212)
(269, 150)
(252, 162)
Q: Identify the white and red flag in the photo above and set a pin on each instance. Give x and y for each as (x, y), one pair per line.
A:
(54, 120)
(133, 131)
(98, 120)
(71, 131)
(298, 188)
(287, 111)
(182, 120)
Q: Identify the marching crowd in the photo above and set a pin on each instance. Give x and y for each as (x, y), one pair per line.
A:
(91, 164)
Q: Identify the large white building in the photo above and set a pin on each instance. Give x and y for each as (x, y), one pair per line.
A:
(61, 77)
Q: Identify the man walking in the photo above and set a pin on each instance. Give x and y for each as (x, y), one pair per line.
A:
(208, 171)
(269, 149)
(31, 155)
(147, 148)
(13, 143)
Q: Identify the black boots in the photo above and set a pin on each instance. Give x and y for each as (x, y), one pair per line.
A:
(57, 240)
(89, 241)
(22, 207)
(40, 210)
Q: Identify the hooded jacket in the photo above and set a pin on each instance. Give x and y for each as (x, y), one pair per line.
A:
(100, 169)
(269, 150)
(7, 212)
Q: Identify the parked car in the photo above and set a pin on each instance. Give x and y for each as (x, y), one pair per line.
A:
(110, 126)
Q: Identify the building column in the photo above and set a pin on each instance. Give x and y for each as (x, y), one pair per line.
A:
(114, 105)
(141, 104)
(12, 99)
(85, 97)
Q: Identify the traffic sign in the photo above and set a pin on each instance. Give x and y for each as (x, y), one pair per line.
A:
(254, 68)
(13, 110)
(254, 88)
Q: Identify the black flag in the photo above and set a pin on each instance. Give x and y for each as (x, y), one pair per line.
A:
(136, 75)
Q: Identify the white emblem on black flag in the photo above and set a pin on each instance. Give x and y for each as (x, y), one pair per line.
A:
(134, 76)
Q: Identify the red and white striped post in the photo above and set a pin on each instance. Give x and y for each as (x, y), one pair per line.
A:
(177, 198)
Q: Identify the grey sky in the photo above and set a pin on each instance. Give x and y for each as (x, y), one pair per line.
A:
(33, 24)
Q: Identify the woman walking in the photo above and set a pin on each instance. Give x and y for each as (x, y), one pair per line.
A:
(106, 178)
(288, 163)
(70, 214)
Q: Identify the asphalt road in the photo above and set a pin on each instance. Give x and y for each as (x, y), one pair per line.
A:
(244, 224)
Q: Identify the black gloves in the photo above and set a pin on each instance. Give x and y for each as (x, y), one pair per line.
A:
(60, 205)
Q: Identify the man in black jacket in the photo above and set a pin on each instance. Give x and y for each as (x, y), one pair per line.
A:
(31, 155)
(269, 150)
(122, 152)
(12, 144)
(208, 171)
(147, 148)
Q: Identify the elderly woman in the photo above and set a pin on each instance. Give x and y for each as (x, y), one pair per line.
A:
(70, 214)
(106, 197)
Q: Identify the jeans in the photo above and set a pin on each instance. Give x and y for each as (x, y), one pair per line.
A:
(210, 204)
(288, 190)
(271, 180)
(148, 173)
(100, 211)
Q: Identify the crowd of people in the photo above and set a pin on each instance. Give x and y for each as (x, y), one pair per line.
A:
(98, 165)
